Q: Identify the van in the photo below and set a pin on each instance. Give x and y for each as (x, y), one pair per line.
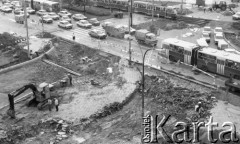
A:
(114, 31)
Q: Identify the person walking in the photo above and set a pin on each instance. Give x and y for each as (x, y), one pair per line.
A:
(73, 36)
(50, 104)
(56, 103)
(199, 109)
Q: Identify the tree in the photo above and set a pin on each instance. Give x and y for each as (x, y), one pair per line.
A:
(200, 3)
(83, 3)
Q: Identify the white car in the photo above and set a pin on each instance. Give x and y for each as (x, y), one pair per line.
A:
(104, 24)
(64, 12)
(236, 16)
(125, 28)
(53, 15)
(30, 10)
(65, 24)
(218, 30)
(8, 5)
(66, 18)
(94, 21)
(6, 9)
(218, 37)
(22, 13)
(42, 12)
(207, 29)
(206, 37)
(78, 17)
(84, 23)
(46, 19)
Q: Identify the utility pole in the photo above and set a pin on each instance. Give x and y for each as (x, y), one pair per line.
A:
(182, 6)
(129, 30)
(131, 14)
(26, 25)
(60, 5)
(152, 10)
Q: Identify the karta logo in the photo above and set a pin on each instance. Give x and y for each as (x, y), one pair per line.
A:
(182, 133)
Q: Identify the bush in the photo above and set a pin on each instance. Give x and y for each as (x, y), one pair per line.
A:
(90, 10)
(236, 25)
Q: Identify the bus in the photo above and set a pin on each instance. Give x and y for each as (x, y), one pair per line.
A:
(47, 5)
(178, 50)
(219, 62)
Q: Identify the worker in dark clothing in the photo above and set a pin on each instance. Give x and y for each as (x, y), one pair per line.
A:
(204, 9)
(199, 109)
(231, 79)
(73, 37)
(70, 79)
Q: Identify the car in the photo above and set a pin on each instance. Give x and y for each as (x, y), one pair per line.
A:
(42, 12)
(236, 16)
(30, 10)
(218, 37)
(207, 29)
(65, 24)
(206, 37)
(94, 21)
(18, 10)
(78, 17)
(64, 12)
(101, 34)
(66, 18)
(54, 16)
(6, 9)
(84, 24)
(8, 5)
(22, 13)
(125, 28)
(5, 1)
(106, 23)
(45, 19)
(15, 4)
(218, 30)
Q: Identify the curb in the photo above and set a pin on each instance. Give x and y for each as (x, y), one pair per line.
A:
(26, 62)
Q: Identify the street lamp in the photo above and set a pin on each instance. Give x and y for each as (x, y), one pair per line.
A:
(26, 25)
(143, 80)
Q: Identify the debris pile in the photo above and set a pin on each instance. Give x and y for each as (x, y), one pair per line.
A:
(54, 126)
(176, 100)
(227, 13)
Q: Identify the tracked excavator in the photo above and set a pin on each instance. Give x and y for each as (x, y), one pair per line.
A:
(39, 97)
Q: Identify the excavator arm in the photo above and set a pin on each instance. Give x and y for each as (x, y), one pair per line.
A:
(12, 95)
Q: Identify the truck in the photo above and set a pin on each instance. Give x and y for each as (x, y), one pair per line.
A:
(143, 36)
(232, 85)
(114, 31)
(19, 18)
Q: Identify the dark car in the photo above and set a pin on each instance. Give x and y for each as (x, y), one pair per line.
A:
(78, 17)
(18, 11)
(96, 33)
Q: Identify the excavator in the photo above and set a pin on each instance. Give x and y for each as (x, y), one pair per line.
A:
(39, 97)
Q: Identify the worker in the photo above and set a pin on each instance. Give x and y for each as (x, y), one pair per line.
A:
(73, 37)
(204, 9)
(50, 104)
(199, 109)
(56, 103)
(230, 78)
(70, 79)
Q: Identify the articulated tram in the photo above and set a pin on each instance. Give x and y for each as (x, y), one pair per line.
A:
(207, 59)
(139, 7)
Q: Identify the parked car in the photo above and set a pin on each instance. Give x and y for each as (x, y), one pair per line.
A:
(42, 12)
(218, 30)
(104, 24)
(207, 30)
(78, 17)
(53, 15)
(96, 33)
(30, 10)
(65, 24)
(84, 24)
(64, 12)
(218, 37)
(126, 29)
(6, 9)
(18, 10)
(5, 1)
(94, 21)
(66, 18)
(236, 16)
(8, 5)
(22, 13)
(206, 37)
(46, 19)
